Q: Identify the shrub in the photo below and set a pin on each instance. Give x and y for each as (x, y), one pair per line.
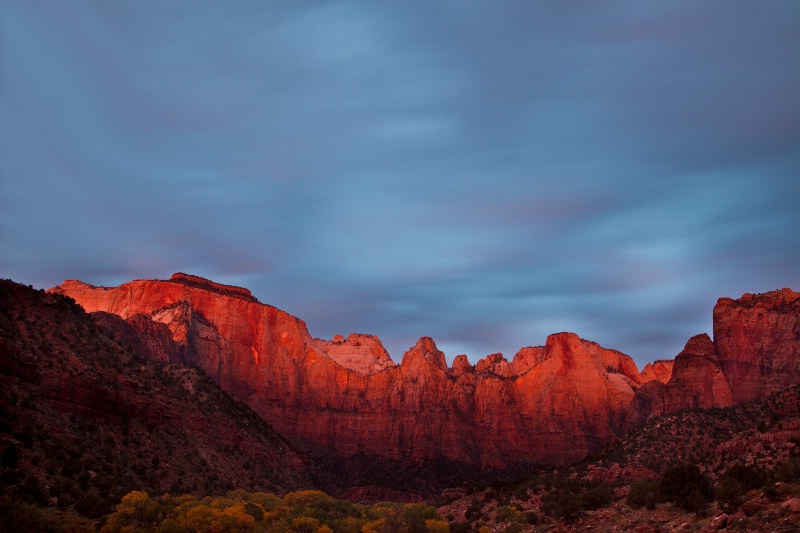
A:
(735, 483)
(474, 510)
(563, 504)
(16, 515)
(505, 513)
(789, 471)
(643, 494)
(416, 515)
(597, 497)
(532, 517)
(686, 487)
(437, 526)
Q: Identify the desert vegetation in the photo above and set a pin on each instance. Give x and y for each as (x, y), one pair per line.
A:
(309, 511)
(94, 436)
(85, 419)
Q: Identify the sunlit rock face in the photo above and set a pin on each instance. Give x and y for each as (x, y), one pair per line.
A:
(758, 342)
(755, 353)
(697, 382)
(553, 403)
(363, 354)
(660, 370)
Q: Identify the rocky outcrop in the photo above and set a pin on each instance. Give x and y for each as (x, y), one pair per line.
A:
(660, 370)
(697, 382)
(755, 353)
(758, 342)
(87, 388)
(142, 335)
(363, 354)
(552, 403)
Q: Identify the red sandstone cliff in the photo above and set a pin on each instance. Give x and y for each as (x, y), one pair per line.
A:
(697, 382)
(554, 403)
(84, 391)
(660, 370)
(755, 353)
(758, 342)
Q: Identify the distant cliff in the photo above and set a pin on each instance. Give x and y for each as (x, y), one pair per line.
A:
(554, 403)
(755, 353)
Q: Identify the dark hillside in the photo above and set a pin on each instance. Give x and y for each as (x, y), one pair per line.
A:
(85, 419)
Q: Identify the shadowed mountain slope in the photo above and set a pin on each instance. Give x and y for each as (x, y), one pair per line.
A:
(85, 417)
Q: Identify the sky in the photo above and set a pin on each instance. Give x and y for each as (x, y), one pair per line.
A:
(484, 173)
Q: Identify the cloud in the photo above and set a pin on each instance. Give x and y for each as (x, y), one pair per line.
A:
(484, 174)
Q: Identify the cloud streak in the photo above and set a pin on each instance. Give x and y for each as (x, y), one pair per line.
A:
(485, 174)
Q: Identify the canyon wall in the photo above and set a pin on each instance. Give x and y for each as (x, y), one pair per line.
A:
(755, 353)
(554, 403)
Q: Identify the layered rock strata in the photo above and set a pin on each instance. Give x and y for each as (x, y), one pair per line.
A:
(758, 341)
(553, 403)
(755, 353)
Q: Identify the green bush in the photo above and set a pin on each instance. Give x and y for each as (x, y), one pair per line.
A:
(564, 504)
(735, 483)
(505, 513)
(686, 487)
(789, 471)
(597, 497)
(643, 494)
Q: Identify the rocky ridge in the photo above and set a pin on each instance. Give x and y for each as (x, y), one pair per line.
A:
(554, 403)
(755, 353)
(90, 411)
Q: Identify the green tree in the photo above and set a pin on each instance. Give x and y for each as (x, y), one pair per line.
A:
(564, 503)
(597, 497)
(643, 494)
(686, 487)
(735, 483)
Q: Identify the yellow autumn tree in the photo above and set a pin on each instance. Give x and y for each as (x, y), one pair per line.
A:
(437, 526)
(200, 518)
(304, 524)
(304, 497)
(135, 512)
(374, 527)
(238, 519)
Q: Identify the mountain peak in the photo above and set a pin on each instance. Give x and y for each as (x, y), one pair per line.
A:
(363, 354)
(203, 283)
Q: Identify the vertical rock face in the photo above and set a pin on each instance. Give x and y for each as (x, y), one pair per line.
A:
(660, 370)
(697, 378)
(697, 381)
(758, 341)
(553, 403)
(363, 354)
(755, 353)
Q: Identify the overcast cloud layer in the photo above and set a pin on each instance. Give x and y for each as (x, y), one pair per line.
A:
(484, 173)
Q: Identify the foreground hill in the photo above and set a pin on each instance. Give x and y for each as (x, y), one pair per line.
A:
(747, 457)
(84, 420)
(550, 404)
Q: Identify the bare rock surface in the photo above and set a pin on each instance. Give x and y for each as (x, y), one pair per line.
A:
(554, 403)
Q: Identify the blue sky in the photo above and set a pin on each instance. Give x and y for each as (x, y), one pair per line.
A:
(484, 173)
